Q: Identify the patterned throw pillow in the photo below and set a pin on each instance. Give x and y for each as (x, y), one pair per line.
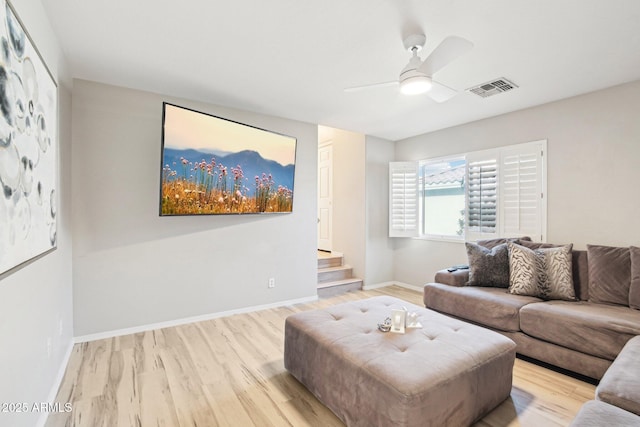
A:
(488, 267)
(544, 272)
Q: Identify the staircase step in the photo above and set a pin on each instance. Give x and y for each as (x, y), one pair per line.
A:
(332, 259)
(331, 274)
(335, 287)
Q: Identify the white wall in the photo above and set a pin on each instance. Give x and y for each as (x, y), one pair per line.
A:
(35, 300)
(378, 246)
(133, 268)
(348, 231)
(593, 172)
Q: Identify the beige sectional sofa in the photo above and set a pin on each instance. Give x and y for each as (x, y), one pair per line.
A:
(584, 335)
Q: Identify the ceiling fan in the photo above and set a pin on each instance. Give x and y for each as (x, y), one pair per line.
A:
(417, 76)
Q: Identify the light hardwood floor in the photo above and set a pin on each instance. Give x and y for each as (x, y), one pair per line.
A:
(229, 372)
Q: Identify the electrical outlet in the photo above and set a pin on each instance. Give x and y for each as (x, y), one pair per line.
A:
(272, 282)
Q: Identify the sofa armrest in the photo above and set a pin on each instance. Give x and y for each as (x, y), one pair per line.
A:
(452, 278)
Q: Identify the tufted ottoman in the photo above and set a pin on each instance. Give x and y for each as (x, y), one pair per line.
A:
(449, 373)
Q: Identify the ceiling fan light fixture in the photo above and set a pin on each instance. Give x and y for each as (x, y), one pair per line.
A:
(415, 84)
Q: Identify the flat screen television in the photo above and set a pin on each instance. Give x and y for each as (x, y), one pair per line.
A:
(216, 166)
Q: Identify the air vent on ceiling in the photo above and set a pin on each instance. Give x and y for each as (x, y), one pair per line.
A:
(493, 87)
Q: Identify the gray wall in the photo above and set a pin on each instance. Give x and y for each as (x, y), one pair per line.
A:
(348, 232)
(133, 268)
(593, 172)
(378, 247)
(360, 219)
(36, 300)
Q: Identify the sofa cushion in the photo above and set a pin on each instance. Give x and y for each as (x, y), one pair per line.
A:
(634, 290)
(487, 306)
(609, 274)
(488, 267)
(543, 272)
(597, 414)
(620, 385)
(597, 329)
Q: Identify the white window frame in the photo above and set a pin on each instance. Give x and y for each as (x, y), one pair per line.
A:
(520, 154)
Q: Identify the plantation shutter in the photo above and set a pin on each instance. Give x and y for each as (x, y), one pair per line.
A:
(404, 215)
(523, 190)
(482, 195)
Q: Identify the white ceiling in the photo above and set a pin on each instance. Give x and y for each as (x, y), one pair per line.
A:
(293, 58)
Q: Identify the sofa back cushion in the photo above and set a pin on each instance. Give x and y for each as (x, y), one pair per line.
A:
(609, 274)
(634, 290)
(581, 274)
(537, 245)
(492, 243)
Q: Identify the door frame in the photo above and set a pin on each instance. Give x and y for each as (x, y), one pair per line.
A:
(325, 242)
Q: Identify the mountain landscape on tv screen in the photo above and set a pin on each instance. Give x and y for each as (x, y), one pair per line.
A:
(252, 163)
(200, 182)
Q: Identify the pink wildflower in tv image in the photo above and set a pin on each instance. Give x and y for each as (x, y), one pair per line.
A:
(212, 165)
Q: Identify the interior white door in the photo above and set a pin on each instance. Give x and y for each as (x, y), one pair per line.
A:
(325, 196)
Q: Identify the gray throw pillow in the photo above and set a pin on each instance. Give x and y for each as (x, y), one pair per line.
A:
(542, 272)
(609, 274)
(488, 267)
(634, 290)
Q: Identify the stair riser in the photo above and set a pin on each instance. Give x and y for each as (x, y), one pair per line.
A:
(335, 290)
(330, 276)
(329, 262)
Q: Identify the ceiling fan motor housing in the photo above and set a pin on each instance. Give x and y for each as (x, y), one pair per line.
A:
(413, 81)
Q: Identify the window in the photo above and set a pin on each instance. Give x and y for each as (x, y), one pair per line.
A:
(483, 194)
(443, 197)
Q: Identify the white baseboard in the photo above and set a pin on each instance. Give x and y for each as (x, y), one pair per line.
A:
(42, 420)
(401, 284)
(377, 286)
(184, 321)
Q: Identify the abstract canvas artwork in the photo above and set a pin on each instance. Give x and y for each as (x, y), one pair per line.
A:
(213, 166)
(28, 146)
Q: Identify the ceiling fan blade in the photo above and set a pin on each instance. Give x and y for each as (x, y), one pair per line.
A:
(449, 49)
(371, 86)
(441, 93)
